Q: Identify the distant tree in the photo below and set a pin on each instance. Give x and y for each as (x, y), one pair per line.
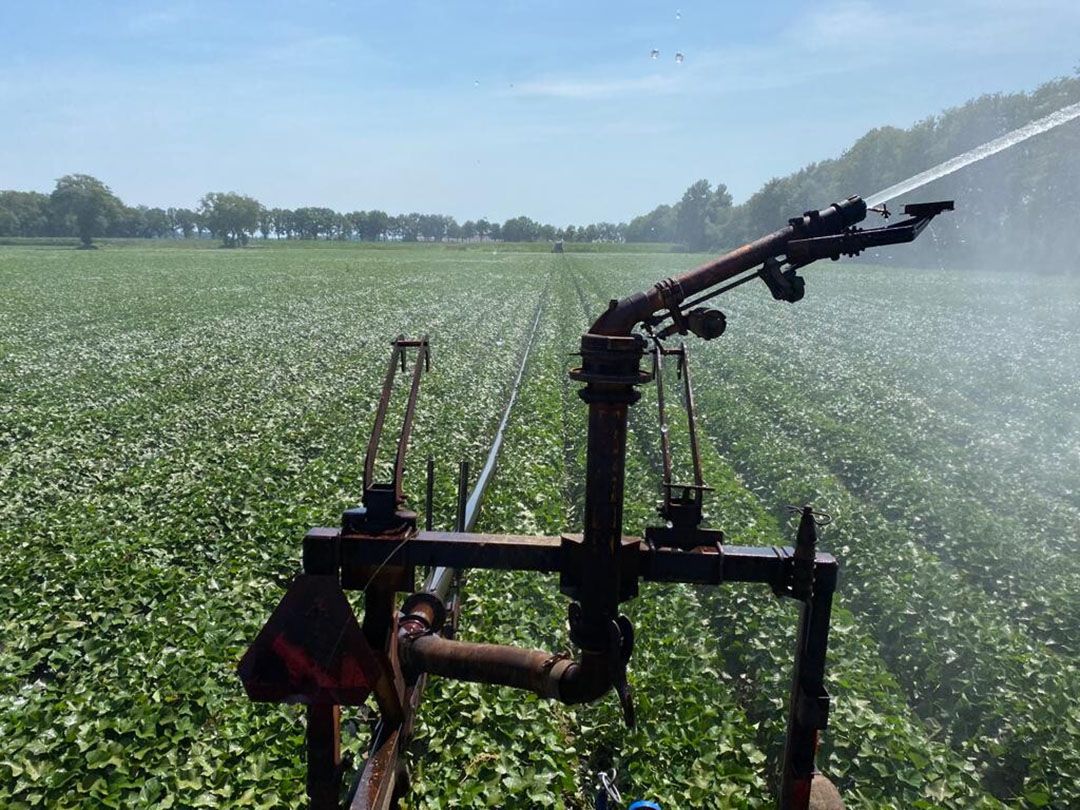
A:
(718, 217)
(155, 223)
(408, 227)
(431, 227)
(690, 218)
(656, 226)
(376, 225)
(767, 209)
(284, 223)
(182, 220)
(128, 222)
(230, 217)
(483, 228)
(355, 222)
(342, 227)
(24, 213)
(519, 229)
(313, 222)
(608, 232)
(187, 221)
(86, 204)
(266, 222)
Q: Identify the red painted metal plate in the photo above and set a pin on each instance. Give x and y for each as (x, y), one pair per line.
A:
(311, 650)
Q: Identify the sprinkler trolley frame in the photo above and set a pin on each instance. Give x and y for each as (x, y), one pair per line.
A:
(313, 650)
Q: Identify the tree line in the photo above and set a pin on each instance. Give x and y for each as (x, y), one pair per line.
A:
(1014, 209)
(83, 206)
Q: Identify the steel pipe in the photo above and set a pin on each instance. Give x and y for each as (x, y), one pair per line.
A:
(622, 316)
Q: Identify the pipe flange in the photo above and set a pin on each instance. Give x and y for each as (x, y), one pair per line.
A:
(428, 608)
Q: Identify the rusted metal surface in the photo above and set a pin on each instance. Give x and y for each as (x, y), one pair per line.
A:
(323, 739)
(532, 670)
(765, 564)
(665, 441)
(828, 233)
(808, 708)
(611, 372)
(397, 357)
(622, 316)
(453, 550)
(311, 650)
(423, 362)
(429, 495)
(682, 504)
(376, 787)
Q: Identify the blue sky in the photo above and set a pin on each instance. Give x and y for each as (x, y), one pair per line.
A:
(554, 110)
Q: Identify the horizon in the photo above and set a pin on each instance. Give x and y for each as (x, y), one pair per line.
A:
(461, 113)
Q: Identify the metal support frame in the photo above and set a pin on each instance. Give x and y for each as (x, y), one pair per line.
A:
(423, 650)
(313, 651)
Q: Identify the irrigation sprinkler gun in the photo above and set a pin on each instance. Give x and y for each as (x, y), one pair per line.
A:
(313, 650)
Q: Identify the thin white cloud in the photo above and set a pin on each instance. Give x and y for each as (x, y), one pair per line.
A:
(158, 19)
(584, 88)
(854, 27)
(832, 39)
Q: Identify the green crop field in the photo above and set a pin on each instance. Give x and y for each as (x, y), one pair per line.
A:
(172, 420)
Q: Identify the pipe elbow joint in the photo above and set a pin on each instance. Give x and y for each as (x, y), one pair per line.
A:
(583, 682)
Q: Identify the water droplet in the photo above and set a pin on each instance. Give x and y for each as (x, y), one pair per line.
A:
(678, 14)
(679, 58)
(654, 53)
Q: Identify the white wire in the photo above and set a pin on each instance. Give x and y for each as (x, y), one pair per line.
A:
(608, 783)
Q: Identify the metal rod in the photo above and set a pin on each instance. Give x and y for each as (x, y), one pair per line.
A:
(808, 709)
(407, 422)
(462, 496)
(323, 737)
(380, 413)
(701, 299)
(665, 445)
(376, 786)
(429, 494)
(472, 507)
(442, 581)
(688, 395)
(766, 564)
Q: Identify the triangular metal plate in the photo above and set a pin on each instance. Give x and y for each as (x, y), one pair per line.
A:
(311, 650)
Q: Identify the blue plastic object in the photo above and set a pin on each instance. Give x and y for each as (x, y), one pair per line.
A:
(644, 804)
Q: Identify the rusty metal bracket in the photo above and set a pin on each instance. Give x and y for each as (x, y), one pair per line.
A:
(681, 505)
(381, 500)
